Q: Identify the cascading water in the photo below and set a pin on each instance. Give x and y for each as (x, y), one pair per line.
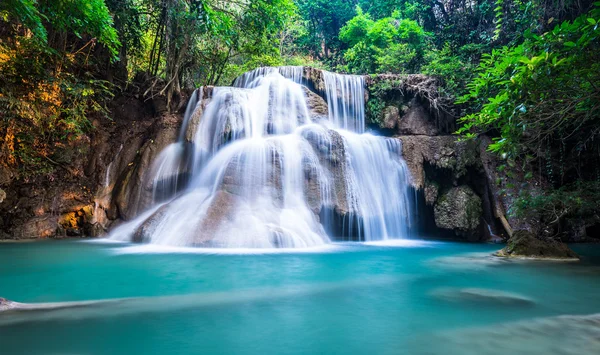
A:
(260, 172)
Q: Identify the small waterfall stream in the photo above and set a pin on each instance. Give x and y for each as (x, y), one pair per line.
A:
(261, 171)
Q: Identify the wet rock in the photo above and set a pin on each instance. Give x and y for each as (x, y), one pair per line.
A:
(331, 151)
(317, 107)
(431, 192)
(144, 232)
(524, 244)
(2, 195)
(314, 80)
(6, 305)
(220, 211)
(416, 121)
(441, 152)
(459, 209)
(37, 227)
(391, 117)
(134, 191)
(194, 122)
(470, 261)
(242, 177)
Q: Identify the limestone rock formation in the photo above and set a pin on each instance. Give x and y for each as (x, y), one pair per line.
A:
(317, 107)
(133, 192)
(459, 209)
(412, 105)
(446, 153)
(192, 126)
(525, 244)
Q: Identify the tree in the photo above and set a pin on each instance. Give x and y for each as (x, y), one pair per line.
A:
(391, 44)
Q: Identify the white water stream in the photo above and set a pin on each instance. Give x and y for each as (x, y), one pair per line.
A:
(259, 170)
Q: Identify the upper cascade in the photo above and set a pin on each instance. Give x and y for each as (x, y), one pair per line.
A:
(255, 167)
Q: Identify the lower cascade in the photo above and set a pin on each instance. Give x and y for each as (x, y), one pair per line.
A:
(263, 164)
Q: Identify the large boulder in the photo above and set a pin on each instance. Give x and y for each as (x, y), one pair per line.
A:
(446, 153)
(524, 244)
(330, 149)
(37, 227)
(416, 121)
(459, 209)
(317, 107)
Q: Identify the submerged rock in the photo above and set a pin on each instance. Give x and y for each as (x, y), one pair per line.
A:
(562, 335)
(482, 296)
(524, 244)
(5, 304)
(471, 261)
(459, 209)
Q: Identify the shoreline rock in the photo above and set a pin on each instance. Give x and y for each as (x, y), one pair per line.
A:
(524, 245)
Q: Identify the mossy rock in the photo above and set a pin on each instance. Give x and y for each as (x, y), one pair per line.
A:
(524, 244)
(459, 209)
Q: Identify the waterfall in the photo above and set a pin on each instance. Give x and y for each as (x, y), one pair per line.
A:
(248, 79)
(260, 172)
(345, 99)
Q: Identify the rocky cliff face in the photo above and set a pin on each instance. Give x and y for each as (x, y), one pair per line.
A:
(104, 183)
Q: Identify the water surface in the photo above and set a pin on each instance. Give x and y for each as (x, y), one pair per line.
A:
(409, 297)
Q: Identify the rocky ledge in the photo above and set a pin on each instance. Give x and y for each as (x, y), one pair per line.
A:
(524, 244)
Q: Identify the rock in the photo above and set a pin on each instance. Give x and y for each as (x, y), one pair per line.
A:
(441, 152)
(317, 107)
(143, 233)
(575, 230)
(524, 244)
(329, 146)
(6, 305)
(480, 295)
(2, 195)
(6, 175)
(391, 117)
(192, 126)
(314, 80)
(242, 177)
(468, 262)
(133, 192)
(423, 108)
(431, 192)
(37, 227)
(221, 210)
(459, 209)
(416, 121)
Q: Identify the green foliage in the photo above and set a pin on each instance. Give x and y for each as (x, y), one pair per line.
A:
(323, 20)
(380, 93)
(43, 116)
(391, 44)
(25, 12)
(581, 199)
(542, 93)
(70, 16)
(453, 70)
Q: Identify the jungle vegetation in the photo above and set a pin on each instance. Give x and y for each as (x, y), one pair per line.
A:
(524, 72)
